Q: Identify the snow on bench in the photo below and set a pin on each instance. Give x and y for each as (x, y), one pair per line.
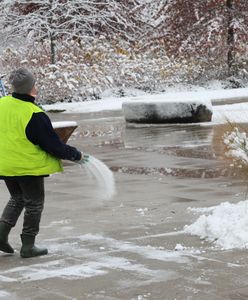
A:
(64, 129)
(64, 124)
(169, 111)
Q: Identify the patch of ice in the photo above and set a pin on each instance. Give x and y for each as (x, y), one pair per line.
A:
(6, 279)
(81, 262)
(226, 225)
(4, 294)
(85, 270)
(145, 251)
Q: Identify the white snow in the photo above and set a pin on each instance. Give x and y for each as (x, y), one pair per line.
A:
(236, 113)
(143, 251)
(142, 211)
(237, 143)
(87, 106)
(4, 294)
(180, 247)
(233, 112)
(97, 255)
(225, 225)
(64, 124)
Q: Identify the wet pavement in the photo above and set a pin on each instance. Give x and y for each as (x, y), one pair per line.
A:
(132, 246)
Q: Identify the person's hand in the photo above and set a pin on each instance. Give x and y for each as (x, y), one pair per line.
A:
(84, 158)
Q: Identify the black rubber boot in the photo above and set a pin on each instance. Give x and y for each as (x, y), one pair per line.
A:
(4, 232)
(28, 248)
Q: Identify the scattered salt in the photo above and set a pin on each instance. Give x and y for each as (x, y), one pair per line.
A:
(104, 177)
(142, 211)
(179, 247)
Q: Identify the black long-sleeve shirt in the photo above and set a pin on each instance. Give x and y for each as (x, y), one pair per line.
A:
(40, 132)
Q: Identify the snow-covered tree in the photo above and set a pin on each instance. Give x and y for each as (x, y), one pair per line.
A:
(66, 19)
(78, 49)
(214, 31)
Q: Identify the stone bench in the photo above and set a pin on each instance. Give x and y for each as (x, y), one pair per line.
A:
(167, 111)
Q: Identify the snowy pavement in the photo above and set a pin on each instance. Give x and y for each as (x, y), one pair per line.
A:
(232, 104)
(133, 246)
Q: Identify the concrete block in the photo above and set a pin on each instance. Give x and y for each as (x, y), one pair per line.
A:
(167, 111)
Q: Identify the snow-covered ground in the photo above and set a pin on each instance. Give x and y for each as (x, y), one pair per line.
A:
(233, 112)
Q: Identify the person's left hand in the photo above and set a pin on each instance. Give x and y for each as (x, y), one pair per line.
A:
(84, 158)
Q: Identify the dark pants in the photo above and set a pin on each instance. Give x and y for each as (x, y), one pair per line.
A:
(28, 193)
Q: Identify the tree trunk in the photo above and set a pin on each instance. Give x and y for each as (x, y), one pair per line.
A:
(52, 34)
(53, 48)
(230, 37)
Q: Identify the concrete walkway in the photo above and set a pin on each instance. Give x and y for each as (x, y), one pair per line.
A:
(132, 246)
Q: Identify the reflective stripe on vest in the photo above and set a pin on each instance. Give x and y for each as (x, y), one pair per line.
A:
(18, 156)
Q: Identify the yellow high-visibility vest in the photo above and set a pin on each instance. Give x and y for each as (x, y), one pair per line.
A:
(19, 156)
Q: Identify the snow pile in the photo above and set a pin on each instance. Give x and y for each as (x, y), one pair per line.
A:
(226, 225)
(237, 143)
